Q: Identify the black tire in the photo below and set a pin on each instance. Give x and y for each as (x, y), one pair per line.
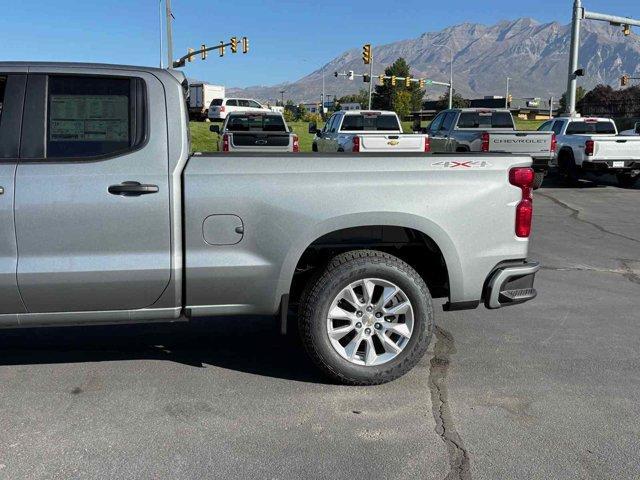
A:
(314, 147)
(340, 272)
(568, 169)
(626, 180)
(538, 179)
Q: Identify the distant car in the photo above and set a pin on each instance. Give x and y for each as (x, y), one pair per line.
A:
(366, 131)
(221, 107)
(593, 145)
(264, 131)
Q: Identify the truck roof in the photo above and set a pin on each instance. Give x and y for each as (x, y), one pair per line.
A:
(360, 112)
(177, 74)
(480, 109)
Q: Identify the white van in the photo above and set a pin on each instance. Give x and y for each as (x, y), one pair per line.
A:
(221, 106)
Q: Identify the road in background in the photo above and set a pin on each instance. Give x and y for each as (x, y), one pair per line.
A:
(548, 389)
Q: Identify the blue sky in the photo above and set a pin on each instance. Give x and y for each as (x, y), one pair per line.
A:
(288, 38)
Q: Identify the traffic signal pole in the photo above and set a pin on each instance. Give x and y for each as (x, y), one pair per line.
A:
(370, 79)
(580, 14)
(167, 4)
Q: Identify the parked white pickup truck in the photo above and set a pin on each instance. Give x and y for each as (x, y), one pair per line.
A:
(366, 131)
(593, 145)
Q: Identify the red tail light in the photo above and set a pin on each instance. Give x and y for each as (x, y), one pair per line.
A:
(485, 142)
(589, 147)
(225, 143)
(296, 144)
(356, 144)
(554, 143)
(427, 145)
(223, 109)
(523, 177)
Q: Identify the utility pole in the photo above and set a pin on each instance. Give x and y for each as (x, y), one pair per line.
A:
(169, 34)
(160, 31)
(551, 107)
(323, 96)
(506, 98)
(282, 92)
(370, 79)
(580, 14)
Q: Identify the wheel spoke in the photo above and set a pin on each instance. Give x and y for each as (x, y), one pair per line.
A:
(387, 342)
(399, 328)
(387, 294)
(352, 347)
(398, 309)
(371, 355)
(338, 313)
(338, 333)
(367, 290)
(350, 296)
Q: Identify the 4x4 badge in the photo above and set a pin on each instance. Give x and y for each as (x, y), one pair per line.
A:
(466, 164)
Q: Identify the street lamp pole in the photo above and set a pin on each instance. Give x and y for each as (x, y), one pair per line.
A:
(169, 34)
(450, 72)
(506, 98)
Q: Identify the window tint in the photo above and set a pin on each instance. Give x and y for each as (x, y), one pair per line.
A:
(580, 128)
(3, 85)
(232, 103)
(243, 103)
(335, 120)
(485, 120)
(557, 127)
(254, 104)
(545, 127)
(436, 123)
(94, 116)
(366, 122)
(247, 123)
(448, 121)
(216, 102)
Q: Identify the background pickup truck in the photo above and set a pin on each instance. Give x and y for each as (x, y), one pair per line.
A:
(484, 130)
(257, 132)
(593, 145)
(366, 131)
(116, 222)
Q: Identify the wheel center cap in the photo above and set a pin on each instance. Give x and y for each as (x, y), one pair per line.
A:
(369, 319)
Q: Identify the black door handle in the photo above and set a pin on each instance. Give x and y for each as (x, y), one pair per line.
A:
(132, 189)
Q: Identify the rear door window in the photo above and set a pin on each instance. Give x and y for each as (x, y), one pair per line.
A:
(485, 120)
(232, 103)
(216, 102)
(370, 122)
(247, 123)
(557, 127)
(94, 116)
(596, 128)
(3, 86)
(448, 121)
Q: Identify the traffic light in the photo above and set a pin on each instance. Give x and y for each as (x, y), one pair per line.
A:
(626, 30)
(366, 54)
(234, 45)
(203, 51)
(335, 74)
(407, 82)
(624, 80)
(221, 48)
(393, 80)
(366, 78)
(381, 79)
(422, 83)
(245, 44)
(350, 75)
(510, 99)
(190, 53)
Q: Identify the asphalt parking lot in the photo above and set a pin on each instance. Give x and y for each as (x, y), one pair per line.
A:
(549, 389)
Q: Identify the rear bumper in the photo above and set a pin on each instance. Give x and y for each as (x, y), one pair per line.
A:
(511, 284)
(610, 166)
(541, 164)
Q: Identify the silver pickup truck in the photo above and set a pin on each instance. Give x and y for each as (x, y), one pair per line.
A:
(255, 132)
(490, 131)
(106, 218)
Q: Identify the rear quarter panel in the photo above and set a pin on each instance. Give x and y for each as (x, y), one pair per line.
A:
(286, 203)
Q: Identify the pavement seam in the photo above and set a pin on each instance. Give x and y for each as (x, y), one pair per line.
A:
(460, 468)
(575, 214)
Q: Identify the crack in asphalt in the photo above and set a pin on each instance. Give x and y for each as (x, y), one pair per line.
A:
(445, 428)
(575, 214)
(628, 273)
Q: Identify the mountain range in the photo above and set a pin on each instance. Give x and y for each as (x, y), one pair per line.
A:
(534, 55)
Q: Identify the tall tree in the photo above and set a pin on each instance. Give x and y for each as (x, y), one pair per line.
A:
(458, 101)
(400, 98)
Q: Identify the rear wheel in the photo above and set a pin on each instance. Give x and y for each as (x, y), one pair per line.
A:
(568, 169)
(367, 319)
(537, 181)
(626, 180)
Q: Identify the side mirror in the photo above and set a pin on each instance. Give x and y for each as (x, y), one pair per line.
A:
(215, 129)
(313, 128)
